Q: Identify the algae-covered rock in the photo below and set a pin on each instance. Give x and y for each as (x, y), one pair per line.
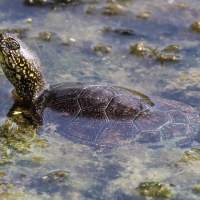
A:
(156, 189)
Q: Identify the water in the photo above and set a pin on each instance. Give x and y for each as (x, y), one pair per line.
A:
(64, 36)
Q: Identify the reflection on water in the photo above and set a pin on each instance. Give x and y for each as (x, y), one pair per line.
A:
(129, 43)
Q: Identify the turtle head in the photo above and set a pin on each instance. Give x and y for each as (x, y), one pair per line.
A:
(22, 67)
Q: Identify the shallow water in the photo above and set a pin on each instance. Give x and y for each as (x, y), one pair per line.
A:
(64, 36)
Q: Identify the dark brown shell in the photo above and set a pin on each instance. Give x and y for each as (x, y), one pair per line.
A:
(104, 115)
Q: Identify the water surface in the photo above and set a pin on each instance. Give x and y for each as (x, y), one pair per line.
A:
(90, 41)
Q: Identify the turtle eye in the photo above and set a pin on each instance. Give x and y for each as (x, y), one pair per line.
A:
(12, 45)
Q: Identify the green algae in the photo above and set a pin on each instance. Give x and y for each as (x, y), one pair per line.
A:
(195, 27)
(90, 10)
(39, 159)
(102, 48)
(113, 9)
(41, 142)
(20, 32)
(197, 188)
(56, 176)
(19, 136)
(156, 189)
(167, 58)
(5, 186)
(144, 15)
(139, 49)
(172, 48)
(142, 50)
(154, 53)
(2, 174)
(6, 190)
(9, 191)
(191, 155)
(46, 35)
(181, 5)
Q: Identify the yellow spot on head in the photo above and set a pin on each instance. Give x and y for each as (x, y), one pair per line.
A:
(17, 112)
(18, 76)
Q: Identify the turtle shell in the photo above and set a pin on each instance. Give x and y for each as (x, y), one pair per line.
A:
(103, 115)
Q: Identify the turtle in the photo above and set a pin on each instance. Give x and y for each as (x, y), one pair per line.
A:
(100, 115)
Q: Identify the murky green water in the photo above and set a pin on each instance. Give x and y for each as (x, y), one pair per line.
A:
(93, 41)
